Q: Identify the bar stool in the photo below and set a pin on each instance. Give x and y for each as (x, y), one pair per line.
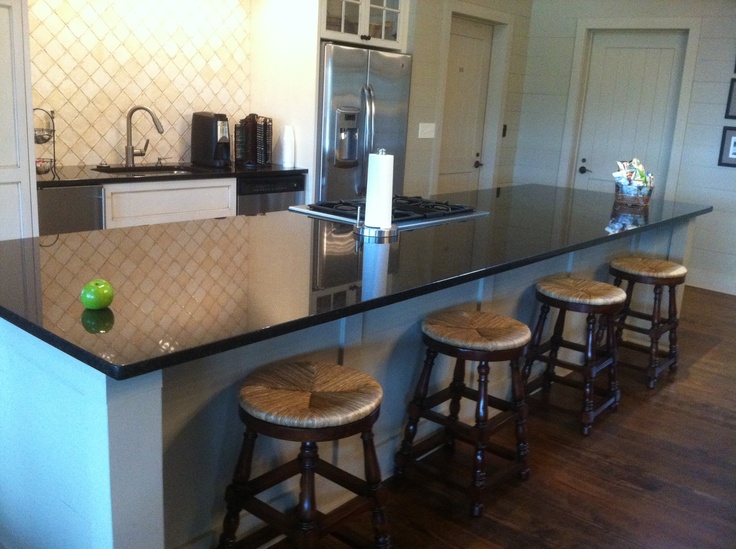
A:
(307, 402)
(593, 298)
(658, 273)
(477, 336)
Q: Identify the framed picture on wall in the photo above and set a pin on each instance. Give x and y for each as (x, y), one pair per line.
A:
(731, 103)
(728, 147)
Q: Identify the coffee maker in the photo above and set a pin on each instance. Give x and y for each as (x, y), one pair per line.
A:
(210, 140)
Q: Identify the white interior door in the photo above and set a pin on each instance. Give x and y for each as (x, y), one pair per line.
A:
(465, 104)
(630, 106)
(17, 190)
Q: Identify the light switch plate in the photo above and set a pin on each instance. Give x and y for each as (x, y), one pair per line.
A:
(426, 130)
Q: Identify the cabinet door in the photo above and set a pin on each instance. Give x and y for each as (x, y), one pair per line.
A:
(146, 203)
(16, 178)
(377, 23)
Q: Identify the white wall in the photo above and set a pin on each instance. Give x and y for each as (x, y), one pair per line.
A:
(543, 112)
(284, 64)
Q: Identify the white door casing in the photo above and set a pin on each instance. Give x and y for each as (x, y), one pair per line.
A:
(465, 104)
(580, 66)
(17, 180)
(503, 32)
(630, 105)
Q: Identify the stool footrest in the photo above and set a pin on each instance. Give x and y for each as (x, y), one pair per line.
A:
(287, 522)
(567, 381)
(595, 412)
(273, 477)
(444, 395)
(639, 314)
(341, 477)
(465, 432)
(596, 367)
(637, 329)
(661, 329)
(435, 442)
(662, 353)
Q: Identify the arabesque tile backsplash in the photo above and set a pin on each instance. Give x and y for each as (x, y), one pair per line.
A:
(92, 61)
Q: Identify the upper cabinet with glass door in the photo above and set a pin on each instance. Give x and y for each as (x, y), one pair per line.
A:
(375, 23)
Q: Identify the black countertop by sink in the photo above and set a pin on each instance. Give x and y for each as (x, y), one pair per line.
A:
(188, 290)
(87, 175)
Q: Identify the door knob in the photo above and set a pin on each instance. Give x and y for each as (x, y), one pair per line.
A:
(583, 169)
(477, 164)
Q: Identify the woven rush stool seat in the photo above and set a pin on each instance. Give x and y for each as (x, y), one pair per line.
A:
(572, 294)
(476, 336)
(306, 402)
(658, 273)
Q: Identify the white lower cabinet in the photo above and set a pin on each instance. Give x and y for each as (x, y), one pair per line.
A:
(146, 203)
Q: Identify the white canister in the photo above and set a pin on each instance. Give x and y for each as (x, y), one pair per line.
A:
(288, 147)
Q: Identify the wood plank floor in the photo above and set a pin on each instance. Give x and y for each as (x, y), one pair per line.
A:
(659, 473)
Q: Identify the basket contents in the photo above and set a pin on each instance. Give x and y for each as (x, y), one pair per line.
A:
(633, 183)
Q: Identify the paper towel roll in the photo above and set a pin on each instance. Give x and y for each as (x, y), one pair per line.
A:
(380, 189)
(288, 147)
(375, 269)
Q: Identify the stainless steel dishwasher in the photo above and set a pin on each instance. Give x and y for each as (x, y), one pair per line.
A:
(70, 209)
(269, 193)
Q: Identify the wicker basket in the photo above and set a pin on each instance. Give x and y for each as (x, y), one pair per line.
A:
(633, 195)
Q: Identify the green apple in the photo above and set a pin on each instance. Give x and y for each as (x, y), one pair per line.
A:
(97, 294)
(98, 321)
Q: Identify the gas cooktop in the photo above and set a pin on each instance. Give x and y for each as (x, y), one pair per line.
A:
(407, 212)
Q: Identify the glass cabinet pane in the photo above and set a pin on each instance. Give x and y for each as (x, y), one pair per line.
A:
(390, 4)
(383, 22)
(343, 16)
(352, 18)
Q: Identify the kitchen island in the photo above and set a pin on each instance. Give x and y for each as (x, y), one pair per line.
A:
(120, 428)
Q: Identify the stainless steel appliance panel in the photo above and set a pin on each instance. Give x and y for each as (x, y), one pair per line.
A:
(365, 107)
(269, 194)
(70, 209)
(254, 204)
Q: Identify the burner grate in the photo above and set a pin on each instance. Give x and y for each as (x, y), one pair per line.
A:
(405, 208)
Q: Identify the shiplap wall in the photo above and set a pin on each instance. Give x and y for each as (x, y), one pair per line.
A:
(547, 83)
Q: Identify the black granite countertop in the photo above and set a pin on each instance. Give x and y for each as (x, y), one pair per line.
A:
(188, 290)
(67, 176)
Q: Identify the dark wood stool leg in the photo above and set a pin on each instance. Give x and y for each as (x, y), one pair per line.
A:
(621, 318)
(308, 529)
(456, 392)
(587, 415)
(403, 456)
(555, 343)
(673, 321)
(481, 433)
(612, 349)
(654, 335)
(534, 345)
(519, 402)
(376, 491)
(236, 490)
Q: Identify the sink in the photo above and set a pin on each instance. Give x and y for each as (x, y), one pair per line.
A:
(145, 171)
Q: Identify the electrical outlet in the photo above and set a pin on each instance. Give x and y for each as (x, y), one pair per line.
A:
(426, 130)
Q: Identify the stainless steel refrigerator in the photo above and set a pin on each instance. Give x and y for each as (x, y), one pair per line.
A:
(365, 107)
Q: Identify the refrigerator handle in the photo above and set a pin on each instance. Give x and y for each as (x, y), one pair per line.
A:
(369, 112)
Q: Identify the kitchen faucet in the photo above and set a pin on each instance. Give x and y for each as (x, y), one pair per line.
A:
(130, 151)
